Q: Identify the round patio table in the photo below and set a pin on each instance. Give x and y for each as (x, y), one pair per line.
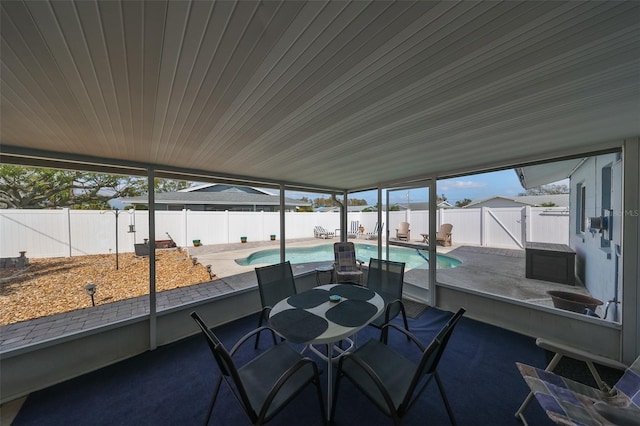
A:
(325, 315)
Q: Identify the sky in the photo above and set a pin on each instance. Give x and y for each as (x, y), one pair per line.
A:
(475, 187)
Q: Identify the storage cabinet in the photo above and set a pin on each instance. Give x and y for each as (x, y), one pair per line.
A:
(550, 262)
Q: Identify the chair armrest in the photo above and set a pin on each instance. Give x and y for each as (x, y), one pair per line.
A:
(578, 354)
(247, 336)
(413, 338)
(388, 308)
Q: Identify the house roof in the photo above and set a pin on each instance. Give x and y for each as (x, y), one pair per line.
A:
(543, 174)
(213, 198)
(350, 209)
(208, 186)
(325, 95)
(423, 205)
(560, 200)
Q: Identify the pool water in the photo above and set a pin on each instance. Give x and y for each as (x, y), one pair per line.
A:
(324, 253)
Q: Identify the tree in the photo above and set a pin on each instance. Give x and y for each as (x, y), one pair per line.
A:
(547, 190)
(36, 188)
(170, 185)
(328, 202)
(323, 202)
(462, 203)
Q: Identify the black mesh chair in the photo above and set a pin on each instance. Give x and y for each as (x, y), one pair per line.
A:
(386, 278)
(275, 283)
(265, 384)
(389, 379)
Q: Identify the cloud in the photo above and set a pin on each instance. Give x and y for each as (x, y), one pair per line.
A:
(460, 184)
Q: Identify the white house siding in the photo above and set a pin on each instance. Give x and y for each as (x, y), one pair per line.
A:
(595, 264)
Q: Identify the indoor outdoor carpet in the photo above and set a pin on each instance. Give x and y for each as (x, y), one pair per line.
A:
(173, 384)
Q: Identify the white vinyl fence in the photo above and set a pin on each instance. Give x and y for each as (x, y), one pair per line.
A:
(65, 232)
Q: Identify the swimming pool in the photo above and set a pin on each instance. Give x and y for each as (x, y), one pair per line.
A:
(324, 253)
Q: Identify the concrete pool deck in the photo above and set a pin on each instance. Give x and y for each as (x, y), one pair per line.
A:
(496, 271)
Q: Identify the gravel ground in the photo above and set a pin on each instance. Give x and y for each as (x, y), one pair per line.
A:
(55, 285)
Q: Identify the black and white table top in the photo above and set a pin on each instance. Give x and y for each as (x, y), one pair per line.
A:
(312, 317)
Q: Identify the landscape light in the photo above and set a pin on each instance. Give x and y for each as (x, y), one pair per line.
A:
(90, 288)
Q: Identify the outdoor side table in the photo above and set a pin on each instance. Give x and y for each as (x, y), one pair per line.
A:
(324, 269)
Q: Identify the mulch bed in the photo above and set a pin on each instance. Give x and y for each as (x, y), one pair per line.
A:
(55, 285)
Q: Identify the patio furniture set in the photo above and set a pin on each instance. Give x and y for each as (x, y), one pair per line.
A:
(329, 315)
(443, 236)
(355, 231)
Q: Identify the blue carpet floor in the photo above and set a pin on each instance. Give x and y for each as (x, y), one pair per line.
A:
(173, 384)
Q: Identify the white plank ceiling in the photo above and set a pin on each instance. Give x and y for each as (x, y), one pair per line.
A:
(340, 94)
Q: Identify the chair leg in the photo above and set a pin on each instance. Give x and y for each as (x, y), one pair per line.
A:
(316, 381)
(213, 401)
(404, 317)
(384, 336)
(262, 316)
(444, 398)
(258, 335)
(336, 387)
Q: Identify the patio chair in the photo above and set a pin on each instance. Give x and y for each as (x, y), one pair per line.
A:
(353, 229)
(568, 402)
(443, 236)
(403, 233)
(376, 230)
(275, 283)
(320, 232)
(388, 378)
(267, 382)
(386, 278)
(347, 267)
(561, 350)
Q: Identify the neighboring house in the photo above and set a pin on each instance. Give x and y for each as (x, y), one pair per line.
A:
(552, 200)
(350, 209)
(218, 197)
(424, 205)
(595, 196)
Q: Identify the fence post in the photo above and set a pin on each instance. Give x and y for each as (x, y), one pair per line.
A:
(185, 230)
(527, 225)
(226, 219)
(483, 226)
(67, 213)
